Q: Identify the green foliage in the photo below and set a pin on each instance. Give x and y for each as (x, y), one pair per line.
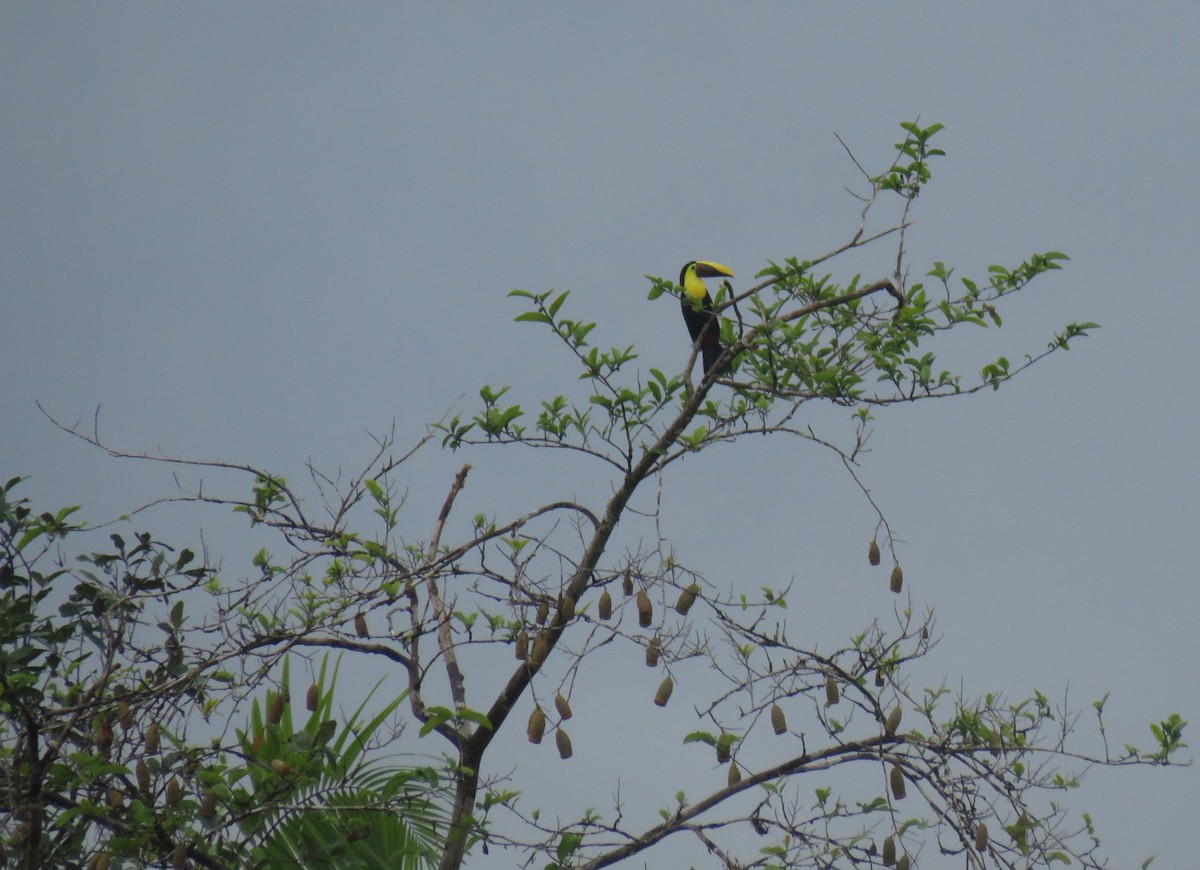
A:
(333, 807)
(98, 684)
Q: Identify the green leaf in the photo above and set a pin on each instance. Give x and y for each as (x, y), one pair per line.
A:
(437, 716)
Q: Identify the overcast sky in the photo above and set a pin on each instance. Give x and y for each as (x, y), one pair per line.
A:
(254, 231)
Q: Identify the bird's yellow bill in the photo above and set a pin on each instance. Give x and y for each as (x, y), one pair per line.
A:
(706, 269)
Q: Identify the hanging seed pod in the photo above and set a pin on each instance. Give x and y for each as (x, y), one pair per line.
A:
(778, 720)
(889, 852)
(360, 625)
(124, 715)
(104, 739)
(100, 861)
(313, 698)
(259, 739)
(735, 774)
(541, 649)
(893, 720)
(562, 706)
(116, 798)
(20, 835)
(536, 727)
(653, 651)
(142, 774)
(275, 708)
(522, 645)
(179, 856)
(208, 805)
(896, 777)
(174, 792)
(567, 608)
(627, 583)
(605, 605)
(897, 581)
(281, 767)
(564, 744)
(832, 695)
(873, 552)
(645, 609)
(902, 863)
(686, 599)
(152, 739)
(665, 688)
(981, 837)
(724, 747)
(543, 611)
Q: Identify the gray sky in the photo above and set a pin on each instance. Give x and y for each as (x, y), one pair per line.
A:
(251, 232)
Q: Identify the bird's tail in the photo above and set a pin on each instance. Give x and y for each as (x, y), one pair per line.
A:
(711, 352)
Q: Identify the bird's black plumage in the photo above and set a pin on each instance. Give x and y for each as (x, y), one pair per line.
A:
(698, 314)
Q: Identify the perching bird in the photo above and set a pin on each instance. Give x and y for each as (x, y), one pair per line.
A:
(698, 313)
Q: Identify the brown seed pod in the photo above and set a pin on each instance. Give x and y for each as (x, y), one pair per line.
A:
(981, 837)
(104, 738)
(897, 581)
(735, 774)
(541, 649)
(124, 715)
(142, 774)
(778, 720)
(873, 553)
(522, 645)
(281, 767)
(665, 688)
(686, 599)
(543, 611)
(605, 607)
(653, 651)
(567, 608)
(627, 583)
(312, 698)
(360, 625)
(889, 852)
(208, 805)
(275, 708)
(536, 727)
(174, 792)
(152, 738)
(259, 739)
(116, 798)
(100, 861)
(896, 778)
(179, 856)
(562, 706)
(645, 609)
(832, 695)
(564, 744)
(893, 720)
(902, 863)
(20, 835)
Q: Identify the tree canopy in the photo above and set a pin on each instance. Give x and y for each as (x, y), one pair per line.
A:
(149, 715)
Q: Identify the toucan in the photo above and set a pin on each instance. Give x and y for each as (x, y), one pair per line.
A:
(698, 313)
